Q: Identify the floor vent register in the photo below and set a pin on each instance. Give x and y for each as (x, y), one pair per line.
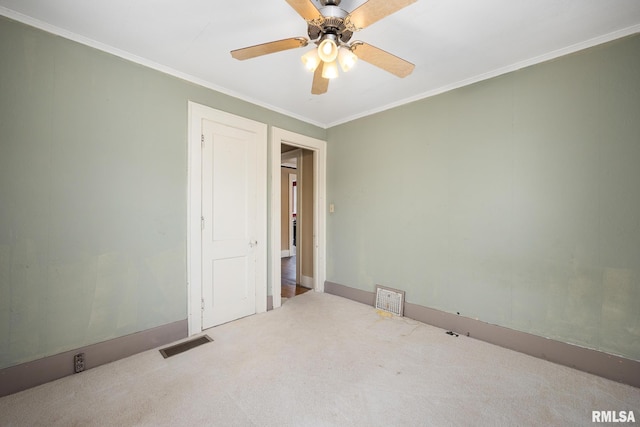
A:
(390, 300)
(184, 346)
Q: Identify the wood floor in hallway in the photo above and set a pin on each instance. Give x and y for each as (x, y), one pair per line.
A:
(289, 286)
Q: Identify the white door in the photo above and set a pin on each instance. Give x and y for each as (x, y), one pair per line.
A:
(229, 222)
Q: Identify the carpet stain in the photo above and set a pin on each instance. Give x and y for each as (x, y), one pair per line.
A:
(384, 314)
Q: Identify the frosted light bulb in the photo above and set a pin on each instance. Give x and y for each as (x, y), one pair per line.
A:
(347, 59)
(311, 60)
(330, 70)
(328, 50)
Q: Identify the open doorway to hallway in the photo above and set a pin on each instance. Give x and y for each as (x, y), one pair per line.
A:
(297, 186)
(315, 275)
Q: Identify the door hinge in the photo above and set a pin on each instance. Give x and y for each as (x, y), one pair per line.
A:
(202, 304)
(202, 140)
(202, 222)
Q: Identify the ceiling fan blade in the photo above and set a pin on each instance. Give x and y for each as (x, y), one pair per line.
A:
(320, 84)
(373, 11)
(306, 9)
(271, 47)
(382, 59)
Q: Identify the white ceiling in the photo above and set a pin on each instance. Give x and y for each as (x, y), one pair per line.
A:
(451, 42)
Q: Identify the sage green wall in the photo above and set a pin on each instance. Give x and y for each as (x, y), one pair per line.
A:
(93, 193)
(515, 200)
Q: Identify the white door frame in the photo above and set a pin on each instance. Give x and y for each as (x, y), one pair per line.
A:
(197, 113)
(319, 147)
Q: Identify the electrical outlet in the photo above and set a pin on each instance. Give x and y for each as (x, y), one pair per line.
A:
(78, 363)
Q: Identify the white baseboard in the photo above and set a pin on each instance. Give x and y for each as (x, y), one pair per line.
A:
(284, 254)
(307, 281)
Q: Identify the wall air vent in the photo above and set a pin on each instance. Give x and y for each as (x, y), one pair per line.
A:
(391, 300)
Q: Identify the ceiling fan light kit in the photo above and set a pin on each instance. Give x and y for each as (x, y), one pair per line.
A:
(331, 29)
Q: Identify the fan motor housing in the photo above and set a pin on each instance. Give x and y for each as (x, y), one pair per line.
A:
(332, 23)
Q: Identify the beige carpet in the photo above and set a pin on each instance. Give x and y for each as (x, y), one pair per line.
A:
(322, 360)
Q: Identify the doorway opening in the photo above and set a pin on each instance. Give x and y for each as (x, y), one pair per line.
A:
(296, 172)
(310, 235)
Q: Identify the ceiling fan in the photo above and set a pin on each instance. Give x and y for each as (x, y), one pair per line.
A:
(331, 29)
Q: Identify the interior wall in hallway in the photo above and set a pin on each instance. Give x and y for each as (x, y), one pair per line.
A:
(284, 207)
